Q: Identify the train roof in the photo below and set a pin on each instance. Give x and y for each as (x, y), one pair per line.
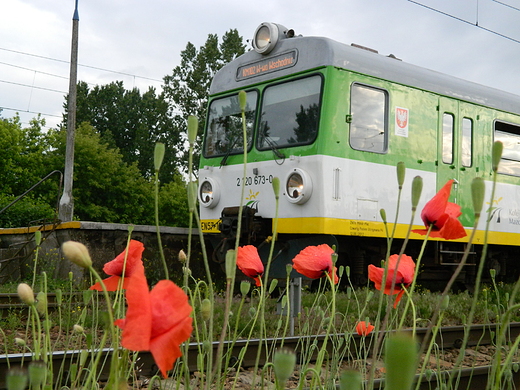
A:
(313, 52)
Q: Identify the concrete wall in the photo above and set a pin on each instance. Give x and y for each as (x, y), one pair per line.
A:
(104, 241)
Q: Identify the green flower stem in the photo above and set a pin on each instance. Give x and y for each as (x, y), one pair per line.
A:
(157, 227)
(114, 367)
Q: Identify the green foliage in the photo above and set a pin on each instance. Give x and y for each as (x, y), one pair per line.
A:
(173, 204)
(25, 212)
(187, 88)
(105, 187)
(132, 123)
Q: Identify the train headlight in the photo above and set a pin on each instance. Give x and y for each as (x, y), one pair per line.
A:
(298, 186)
(209, 193)
(266, 37)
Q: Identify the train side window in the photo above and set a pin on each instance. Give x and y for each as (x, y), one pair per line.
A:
(509, 135)
(224, 133)
(467, 142)
(369, 124)
(447, 138)
(290, 113)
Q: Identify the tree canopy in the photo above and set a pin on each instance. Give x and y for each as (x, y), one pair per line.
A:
(115, 138)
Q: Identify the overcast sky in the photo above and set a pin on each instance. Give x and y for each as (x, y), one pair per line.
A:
(139, 42)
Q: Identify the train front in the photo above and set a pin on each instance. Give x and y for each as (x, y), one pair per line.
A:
(282, 116)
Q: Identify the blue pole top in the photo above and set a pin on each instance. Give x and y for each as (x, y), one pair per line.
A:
(76, 14)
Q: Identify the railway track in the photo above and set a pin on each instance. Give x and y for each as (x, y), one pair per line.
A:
(448, 339)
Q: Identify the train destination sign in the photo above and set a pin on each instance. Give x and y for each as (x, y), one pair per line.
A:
(281, 61)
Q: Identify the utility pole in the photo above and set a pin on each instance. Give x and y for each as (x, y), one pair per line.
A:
(66, 208)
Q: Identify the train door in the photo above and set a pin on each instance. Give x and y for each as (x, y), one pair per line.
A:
(456, 124)
(448, 145)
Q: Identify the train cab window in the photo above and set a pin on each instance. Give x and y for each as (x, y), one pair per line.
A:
(290, 113)
(467, 142)
(509, 135)
(368, 126)
(447, 138)
(224, 133)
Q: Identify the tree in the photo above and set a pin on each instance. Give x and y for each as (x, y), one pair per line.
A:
(187, 88)
(131, 122)
(105, 187)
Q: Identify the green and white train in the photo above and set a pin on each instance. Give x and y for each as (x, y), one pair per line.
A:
(332, 121)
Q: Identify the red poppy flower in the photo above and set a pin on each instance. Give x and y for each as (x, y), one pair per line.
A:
(364, 328)
(442, 215)
(315, 262)
(405, 273)
(133, 266)
(164, 327)
(249, 262)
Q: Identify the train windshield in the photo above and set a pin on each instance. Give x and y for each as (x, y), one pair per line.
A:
(224, 135)
(290, 113)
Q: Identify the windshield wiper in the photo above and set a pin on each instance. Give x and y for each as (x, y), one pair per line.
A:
(273, 147)
(224, 159)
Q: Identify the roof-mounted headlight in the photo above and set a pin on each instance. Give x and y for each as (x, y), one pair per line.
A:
(267, 35)
(298, 186)
(209, 193)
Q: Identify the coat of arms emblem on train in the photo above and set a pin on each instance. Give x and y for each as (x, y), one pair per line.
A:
(401, 121)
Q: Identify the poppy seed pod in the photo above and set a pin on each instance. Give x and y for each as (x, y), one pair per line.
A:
(26, 294)
(284, 362)
(77, 253)
(37, 373)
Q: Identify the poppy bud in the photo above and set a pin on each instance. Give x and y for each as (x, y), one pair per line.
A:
(192, 196)
(400, 361)
(350, 380)
(182, 256)
(492, 273)
(273, 285)
(478, 188)
(205, 309)
(288, 268)
(78, 329)
(231, 264)
(77, 253)
(193, 128)
(16, 379)
(283, 365)
(445, 303)
(244, 287)
(417, 185)
(382, 213)
(41, 302)
(498, 147)
(401, 169)
(37, 373)
(26, 294)
(276, 187)
(158, 155)
(242, 99)
(38, 237)
(20, 342)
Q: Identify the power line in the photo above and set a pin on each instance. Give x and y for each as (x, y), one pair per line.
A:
(31, 86)
(85, 66)
(468, 22)
(29, 112)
